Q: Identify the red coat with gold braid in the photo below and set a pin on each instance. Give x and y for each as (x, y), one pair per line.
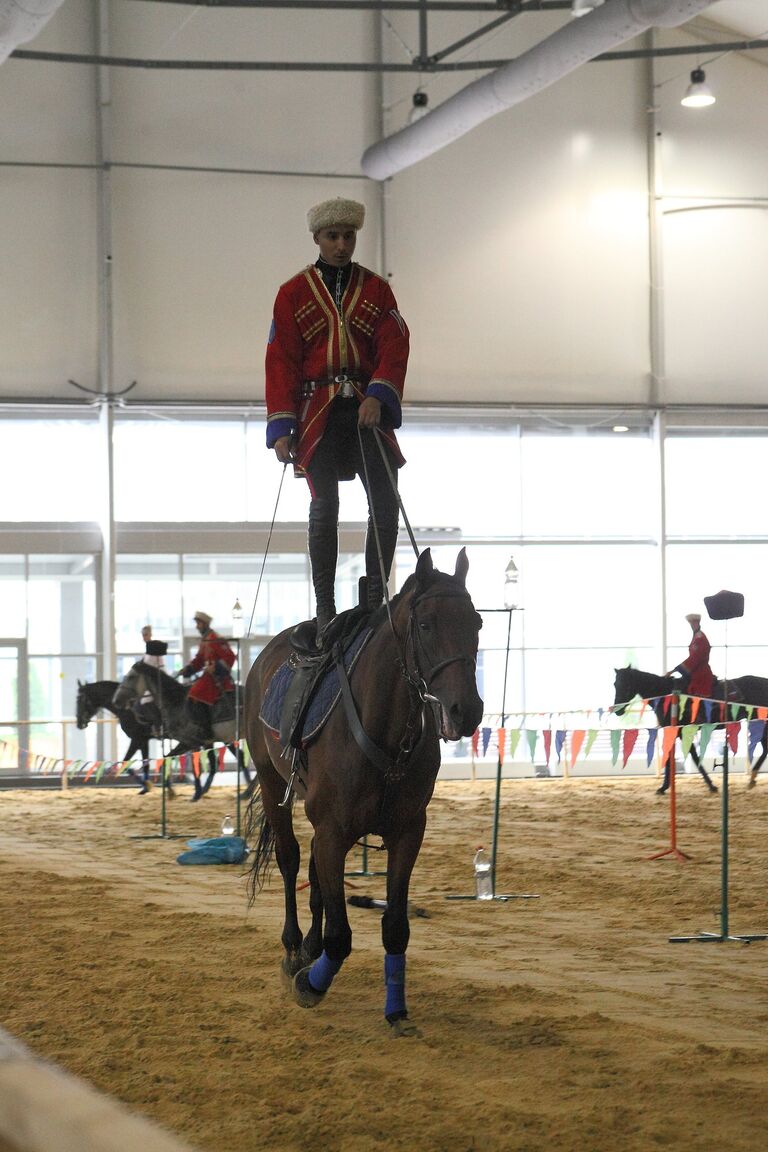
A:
(214, 651)
(702, 678)
(311, 341)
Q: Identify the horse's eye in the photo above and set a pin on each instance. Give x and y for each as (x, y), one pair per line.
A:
(424, 626)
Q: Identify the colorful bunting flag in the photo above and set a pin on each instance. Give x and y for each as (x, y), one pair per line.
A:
(732, 735)
(559, 741)
(514, 739)
(547, 734)
(630, 737)
(486, 739)
(591, 737)
(615, 740)
(577, 739)
(533, 736)
(501, 736)
(651, 745)
(705, 731)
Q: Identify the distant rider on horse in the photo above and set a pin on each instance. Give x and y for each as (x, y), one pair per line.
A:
(697, 676)
(335, 363)
(214, 659)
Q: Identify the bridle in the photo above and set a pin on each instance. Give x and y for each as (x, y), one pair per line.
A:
(420, 680)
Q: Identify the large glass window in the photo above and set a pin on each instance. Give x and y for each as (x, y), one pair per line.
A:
(711, 483)
(51, 468)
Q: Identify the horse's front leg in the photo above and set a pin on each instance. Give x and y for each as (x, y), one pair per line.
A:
(395, 929)
(329, 853)
(665, 782)
(313, 940)
(211, 771)
(757, 766)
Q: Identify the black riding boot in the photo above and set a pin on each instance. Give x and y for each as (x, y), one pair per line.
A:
(323, 550)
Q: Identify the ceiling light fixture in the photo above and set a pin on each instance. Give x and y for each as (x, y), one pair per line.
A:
(419, 109)
(698, 94)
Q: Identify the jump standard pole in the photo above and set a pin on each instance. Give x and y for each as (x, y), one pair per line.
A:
(673, 849)
(723, 606)
(502, 897)
(163, 834)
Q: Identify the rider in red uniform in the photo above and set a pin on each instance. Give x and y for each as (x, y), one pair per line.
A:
(698, 677)
(214, 658)
(336, 361)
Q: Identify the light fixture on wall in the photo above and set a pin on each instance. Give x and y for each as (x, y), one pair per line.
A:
(419, 109)
(582, 7)
(698, 94)
(510, 585)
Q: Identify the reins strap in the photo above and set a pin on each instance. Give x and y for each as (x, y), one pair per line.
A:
(363, 740)
(383, 452)
(266, 552)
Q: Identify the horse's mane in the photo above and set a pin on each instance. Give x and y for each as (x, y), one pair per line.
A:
(171, 689)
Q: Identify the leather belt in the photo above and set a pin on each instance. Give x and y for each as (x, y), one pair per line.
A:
(345, 380)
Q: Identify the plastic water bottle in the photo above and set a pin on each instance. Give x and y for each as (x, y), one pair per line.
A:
(483, 880)
(227, 827)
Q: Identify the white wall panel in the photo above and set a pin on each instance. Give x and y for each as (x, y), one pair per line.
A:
(520, 252)
(48, 301)
(716, 275)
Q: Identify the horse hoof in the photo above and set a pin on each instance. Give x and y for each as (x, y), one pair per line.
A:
(171, 793)
(289, 966)
(661, 791)
(402, 1028)
(197, 796)
(751, 784)
(303, 992)
(713, 789)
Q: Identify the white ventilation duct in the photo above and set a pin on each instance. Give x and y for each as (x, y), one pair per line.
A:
(571, 46)
(22, 22)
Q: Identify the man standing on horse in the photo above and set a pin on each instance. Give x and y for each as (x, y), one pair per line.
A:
(213, 659)
(335, 371)
(698, 677)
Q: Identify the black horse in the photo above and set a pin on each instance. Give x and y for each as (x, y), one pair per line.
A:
(93, 697)
(170, 698)
(743, 690)
(371, 770)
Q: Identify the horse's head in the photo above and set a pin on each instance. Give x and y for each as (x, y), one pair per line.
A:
(85, 710)
(443, 631)
(132, 687)
(624, 689)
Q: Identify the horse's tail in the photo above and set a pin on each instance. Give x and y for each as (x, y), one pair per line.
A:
(257, 825)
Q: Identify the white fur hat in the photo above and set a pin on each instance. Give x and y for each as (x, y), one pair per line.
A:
(694, 616)
(336, 211)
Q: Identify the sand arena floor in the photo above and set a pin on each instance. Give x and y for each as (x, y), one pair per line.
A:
(563, 1023)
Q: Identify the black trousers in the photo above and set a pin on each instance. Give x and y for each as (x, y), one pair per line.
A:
(338, 455)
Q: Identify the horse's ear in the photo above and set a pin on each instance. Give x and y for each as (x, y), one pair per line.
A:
(79, 683)
(462, 566)
(424, 566)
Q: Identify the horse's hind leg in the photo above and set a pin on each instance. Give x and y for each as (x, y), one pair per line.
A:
(211, 771)
(313, 941)
(757, 765)
(395, 929)
(288, 857)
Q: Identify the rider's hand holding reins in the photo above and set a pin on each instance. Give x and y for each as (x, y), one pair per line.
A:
(284, 449)
(369, 413)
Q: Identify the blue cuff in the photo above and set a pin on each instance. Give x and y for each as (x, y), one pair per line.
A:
(384, 392)
(276, 429)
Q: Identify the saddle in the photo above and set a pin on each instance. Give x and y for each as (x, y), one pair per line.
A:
(308, 668)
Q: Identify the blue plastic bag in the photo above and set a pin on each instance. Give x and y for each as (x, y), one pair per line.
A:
(216, 850)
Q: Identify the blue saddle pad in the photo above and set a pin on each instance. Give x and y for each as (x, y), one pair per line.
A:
(324, 700)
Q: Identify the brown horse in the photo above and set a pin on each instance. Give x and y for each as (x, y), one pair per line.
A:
(371, 770)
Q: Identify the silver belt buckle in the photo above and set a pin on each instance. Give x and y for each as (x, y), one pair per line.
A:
(346, 385)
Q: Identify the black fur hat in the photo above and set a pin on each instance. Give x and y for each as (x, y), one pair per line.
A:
(156, 648)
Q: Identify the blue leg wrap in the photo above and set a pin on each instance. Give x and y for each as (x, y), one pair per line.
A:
(394, 978)
(322, 972)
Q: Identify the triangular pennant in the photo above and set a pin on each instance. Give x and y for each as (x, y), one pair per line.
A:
(533, 735)
(643, 706)
(196, 764)
(755, 729)
(667, 703)
(687, 734)
(591, 737)
(615, 741)
(668, 742)
(475, 741)
(651, 745)
(502, 738)
(486, 739)
(547, 734)
(630, 738)
(559, 741)
(732, 733)
(514, 738)
(695, 702)
(683, 700)
(708, 710)
(735, 709)
(762, 713)
(705, 733)
(222, 754)
(577, 739)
